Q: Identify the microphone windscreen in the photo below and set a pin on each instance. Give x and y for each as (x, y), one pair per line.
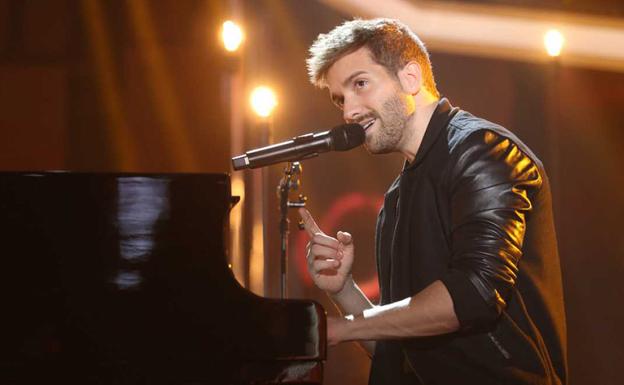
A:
(347, 136)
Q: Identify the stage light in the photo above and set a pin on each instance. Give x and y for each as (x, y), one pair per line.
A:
(553, 42)
(263, 101)
(232, 36)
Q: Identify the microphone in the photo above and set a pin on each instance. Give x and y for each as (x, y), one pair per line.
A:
(339, 138)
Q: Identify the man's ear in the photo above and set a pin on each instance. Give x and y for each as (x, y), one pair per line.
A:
(410, 77)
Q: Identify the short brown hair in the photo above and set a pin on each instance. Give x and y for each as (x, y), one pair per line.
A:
(391, 43)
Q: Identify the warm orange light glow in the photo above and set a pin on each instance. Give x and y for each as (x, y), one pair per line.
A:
(263, 101)
(109, 85)
(553, 42)
(256, 259)
(159, 80)
(232, 36)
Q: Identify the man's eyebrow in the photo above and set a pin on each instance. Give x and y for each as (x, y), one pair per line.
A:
(337, 99)
(353, 75)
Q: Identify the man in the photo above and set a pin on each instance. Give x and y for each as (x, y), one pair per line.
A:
(466, 252)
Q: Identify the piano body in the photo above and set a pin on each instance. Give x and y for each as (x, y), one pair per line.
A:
(123, 279)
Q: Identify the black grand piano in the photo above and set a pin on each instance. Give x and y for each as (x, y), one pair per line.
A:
(123, 279)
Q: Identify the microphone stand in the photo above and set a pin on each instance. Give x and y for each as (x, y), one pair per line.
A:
(290, 181)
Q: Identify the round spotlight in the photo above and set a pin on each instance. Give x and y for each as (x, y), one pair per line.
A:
(553, 42)
(232, 36)
(263, 101)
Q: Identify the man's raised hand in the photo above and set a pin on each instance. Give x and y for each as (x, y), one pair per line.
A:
(329, 259)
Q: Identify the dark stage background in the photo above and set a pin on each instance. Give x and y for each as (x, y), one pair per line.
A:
(144, 86)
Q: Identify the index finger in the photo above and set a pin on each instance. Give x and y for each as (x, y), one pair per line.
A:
(308, 223)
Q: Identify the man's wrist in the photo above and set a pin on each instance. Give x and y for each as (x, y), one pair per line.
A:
(353, 317)
(348, 287)
(353, 322)
(352, 327)
(367, 313)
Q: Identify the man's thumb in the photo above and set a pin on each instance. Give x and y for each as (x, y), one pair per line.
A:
(344, 237)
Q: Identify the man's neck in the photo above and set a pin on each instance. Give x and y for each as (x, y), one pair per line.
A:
(425, 106)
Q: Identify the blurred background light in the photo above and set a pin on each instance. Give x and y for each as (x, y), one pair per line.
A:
(505, 31)
(232, 36)
(553, 42)
(263, 101)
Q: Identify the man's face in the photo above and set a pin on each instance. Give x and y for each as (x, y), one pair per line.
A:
(366, 92)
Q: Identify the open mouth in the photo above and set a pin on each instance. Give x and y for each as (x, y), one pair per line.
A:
(368, 124)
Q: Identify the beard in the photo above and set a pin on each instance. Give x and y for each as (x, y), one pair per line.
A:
(392, 119)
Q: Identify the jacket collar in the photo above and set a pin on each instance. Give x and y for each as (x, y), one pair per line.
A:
(439, 119)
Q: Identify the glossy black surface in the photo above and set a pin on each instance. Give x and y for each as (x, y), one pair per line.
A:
(123, 279)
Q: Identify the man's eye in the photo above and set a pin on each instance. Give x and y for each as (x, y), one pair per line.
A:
(360, 83)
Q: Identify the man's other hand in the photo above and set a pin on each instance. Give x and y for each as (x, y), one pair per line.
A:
(329, 259)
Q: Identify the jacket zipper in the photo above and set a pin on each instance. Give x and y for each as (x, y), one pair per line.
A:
(499, 346)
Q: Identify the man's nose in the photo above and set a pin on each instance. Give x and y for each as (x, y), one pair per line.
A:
(352, 112)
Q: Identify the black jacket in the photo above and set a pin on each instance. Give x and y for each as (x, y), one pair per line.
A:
(473, 210)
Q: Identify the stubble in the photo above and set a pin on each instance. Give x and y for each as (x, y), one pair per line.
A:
(393, 118)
